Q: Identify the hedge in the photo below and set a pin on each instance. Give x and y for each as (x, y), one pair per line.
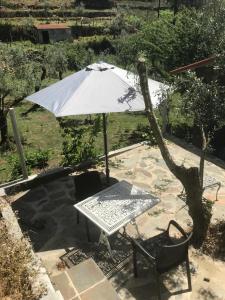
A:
(41, 13)
(78, 30)
(9, 33)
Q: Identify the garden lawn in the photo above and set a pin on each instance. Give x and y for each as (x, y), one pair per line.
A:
(40, 130)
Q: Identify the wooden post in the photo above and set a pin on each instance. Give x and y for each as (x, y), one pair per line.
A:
(18, 143)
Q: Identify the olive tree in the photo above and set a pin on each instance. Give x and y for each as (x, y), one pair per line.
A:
(16, 81)
(205, 102)
(47, 62)
(58, 62)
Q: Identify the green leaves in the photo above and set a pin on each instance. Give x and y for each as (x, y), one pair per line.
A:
(202, 102)
(16, 77)
(79, 137)
(170, 42)
(34, 159)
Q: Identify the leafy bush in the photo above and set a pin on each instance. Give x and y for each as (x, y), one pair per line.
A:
(35, 159)
(79, 137)
(142, 133)
(79, 30)
(43, 13)
(18, 272)
(10, 32)
(15, 167)
(77, 55)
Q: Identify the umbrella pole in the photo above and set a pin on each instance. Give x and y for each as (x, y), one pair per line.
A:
(106, 147)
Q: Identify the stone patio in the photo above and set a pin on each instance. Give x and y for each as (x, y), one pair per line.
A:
(51, 206)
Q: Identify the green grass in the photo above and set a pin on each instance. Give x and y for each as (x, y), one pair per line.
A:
(40, 130)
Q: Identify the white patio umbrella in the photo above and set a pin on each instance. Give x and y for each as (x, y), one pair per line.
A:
(99, 88)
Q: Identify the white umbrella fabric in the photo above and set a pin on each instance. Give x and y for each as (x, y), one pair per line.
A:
(99, 88)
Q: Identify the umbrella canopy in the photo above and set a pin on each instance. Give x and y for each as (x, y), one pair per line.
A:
(99, 88)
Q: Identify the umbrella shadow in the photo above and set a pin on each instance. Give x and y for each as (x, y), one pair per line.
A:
(46, 215)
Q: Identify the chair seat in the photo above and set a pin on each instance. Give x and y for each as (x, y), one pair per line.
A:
(87, 184)
(153, 245)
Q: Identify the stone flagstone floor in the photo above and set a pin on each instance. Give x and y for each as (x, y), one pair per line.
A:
(145, 167)
(52, 204)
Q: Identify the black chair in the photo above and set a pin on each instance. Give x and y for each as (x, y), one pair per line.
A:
(164, 253)
(86, 184)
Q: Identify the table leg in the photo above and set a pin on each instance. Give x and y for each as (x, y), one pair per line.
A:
(87, 229)
(219, 186)
(133, 222)
(124, 231)
(104, 239)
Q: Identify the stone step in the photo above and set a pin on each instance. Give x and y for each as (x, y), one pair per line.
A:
(59, 295)
(84, 281)
(56, 295)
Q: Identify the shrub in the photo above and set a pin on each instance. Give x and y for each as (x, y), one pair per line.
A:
(10, 32)
(35, 159)
(77, 56)
(142, 133)
(15, 167)
(79, 137)
(79, 30)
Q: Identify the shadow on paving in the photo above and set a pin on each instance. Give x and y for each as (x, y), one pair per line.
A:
(193, 149)
(144, 286)
(47, 215)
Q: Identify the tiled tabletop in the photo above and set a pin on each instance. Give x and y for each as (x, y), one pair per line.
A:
(116, 206)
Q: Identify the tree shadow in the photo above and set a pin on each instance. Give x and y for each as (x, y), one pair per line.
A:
(144, 287)
(208, 294)
(191, 148)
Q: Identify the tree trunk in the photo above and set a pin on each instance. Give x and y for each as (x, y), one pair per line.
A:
(175, 7)
(189, 177)
(3, 129)
(159, 7)
(44, 73)
(202, 157)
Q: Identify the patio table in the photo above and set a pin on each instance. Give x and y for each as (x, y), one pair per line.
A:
(114, 207)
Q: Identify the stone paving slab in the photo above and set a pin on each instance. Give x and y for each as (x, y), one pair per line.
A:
(84, 281)
(145, 168)
(147, 160)
(63, 283)
(85, 275)
(102, 291)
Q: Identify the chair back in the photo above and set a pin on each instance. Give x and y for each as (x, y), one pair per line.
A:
(87, 184)
(171, 256)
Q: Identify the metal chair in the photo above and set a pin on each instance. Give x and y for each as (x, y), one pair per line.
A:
(164, 253)
(208, 182)
(86, 184)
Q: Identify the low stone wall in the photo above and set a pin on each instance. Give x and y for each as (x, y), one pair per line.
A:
(14, 229)
(56, 173)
